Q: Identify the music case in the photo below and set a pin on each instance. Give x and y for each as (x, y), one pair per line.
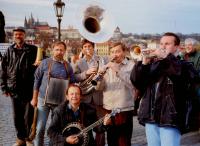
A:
(56, 91)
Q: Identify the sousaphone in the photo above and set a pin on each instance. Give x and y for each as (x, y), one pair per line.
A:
(95, 23)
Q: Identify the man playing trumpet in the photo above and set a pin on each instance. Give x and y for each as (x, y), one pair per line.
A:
(163, 82)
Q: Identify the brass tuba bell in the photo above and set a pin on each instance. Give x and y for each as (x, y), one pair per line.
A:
(95, 23)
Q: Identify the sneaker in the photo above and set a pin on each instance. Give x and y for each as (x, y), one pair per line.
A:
(19, 142)
(29, 143)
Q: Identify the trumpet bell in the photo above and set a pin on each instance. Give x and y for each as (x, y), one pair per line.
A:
(135, 52)
(95, 23)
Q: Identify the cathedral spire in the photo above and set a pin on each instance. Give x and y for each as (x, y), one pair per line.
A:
(25, 23)
(31, 21)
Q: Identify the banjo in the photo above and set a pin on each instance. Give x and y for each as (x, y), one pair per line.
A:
(77, 129)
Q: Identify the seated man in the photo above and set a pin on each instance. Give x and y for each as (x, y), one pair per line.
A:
(72, 110)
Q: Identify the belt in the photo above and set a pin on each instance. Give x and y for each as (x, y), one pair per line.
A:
(123, 109)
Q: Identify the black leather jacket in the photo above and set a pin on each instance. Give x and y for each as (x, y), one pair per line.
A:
(17, 73)
(164, 88)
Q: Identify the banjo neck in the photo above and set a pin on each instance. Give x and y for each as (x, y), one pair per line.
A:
(100, 121)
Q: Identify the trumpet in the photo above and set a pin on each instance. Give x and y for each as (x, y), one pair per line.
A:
(148, 53)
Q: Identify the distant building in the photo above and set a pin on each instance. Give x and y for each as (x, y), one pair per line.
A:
(31, 23)
(102, 49)
(153, 45)
(70, 33)
(117, 35)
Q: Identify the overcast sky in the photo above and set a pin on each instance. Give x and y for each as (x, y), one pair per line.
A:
(132, 16)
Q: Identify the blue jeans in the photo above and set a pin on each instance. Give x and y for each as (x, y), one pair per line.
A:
(162, 136)
(43, 113)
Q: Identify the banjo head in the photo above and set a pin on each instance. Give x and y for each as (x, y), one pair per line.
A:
(76, 129)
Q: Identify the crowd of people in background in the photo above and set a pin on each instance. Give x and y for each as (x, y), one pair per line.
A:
(160, 86)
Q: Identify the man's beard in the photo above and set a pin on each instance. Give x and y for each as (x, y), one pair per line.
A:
(19, 41)
(58, 58)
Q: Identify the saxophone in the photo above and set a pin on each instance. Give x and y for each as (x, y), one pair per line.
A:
(86, 86)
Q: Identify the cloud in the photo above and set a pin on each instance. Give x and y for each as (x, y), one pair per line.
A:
(27, 2)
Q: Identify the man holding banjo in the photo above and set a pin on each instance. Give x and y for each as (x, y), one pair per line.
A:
(70, 116)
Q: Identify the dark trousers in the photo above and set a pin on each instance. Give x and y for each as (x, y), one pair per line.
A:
(120, 133)
(23, 117)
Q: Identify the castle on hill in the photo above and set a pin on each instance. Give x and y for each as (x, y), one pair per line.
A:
(32, 23)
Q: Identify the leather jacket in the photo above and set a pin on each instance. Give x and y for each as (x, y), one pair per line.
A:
(17, 73)
(164, 88)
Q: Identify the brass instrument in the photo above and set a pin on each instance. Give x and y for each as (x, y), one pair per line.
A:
(148, 53)
(39, 56)
(135, 49)
(86, 86)
(135, 52)
(99, 76)
(95, 23)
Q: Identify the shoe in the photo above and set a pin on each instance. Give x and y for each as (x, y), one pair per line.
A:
(29, 143)
(19, 142)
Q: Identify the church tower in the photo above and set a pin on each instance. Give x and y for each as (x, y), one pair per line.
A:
(25, 23)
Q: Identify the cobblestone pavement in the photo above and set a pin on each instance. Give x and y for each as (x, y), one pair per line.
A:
(7, 130)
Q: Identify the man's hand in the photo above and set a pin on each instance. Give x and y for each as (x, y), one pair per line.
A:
(161, 53)
(91, 70)
(73, 139)
(34, 102)
(6, 94)
(107, 120)
(37, 63)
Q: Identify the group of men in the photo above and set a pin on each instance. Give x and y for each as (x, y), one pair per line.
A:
(162, 81)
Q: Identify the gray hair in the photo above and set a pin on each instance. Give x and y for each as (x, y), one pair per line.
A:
(191, 41)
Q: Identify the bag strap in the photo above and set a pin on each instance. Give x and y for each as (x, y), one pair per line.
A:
(47, 88)
(66, 68)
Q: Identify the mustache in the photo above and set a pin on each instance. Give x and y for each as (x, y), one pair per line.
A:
(59, 57)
